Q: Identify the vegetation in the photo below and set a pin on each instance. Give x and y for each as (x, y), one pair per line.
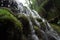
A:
(8, 24)
(5, 14)
(56, 27)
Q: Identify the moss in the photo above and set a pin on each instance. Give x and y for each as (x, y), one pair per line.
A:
(10, 24)
(5, 14)
(56, 27)
(26, 27)
(36, 28)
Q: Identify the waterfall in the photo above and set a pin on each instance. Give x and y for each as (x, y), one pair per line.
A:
(48, 31)
(35, 15)
(31, 36)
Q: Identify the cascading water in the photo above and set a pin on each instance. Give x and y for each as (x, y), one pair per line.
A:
(51, 32)
(31, 36)
(20, 7)
(48, 31)
(38, 24)
(35, 15)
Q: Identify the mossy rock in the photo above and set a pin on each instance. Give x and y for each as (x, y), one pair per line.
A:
(25, 22)
(10, 26)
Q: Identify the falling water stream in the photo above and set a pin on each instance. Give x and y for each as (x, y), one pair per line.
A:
(35, 15)
(32, 35)
(48, 31)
